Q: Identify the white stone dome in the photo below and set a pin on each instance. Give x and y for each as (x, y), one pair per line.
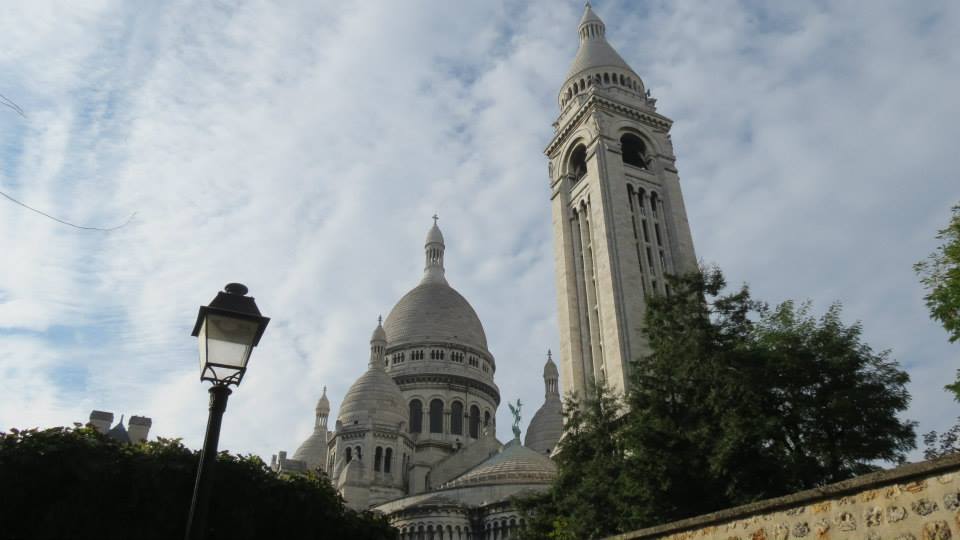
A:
(373, 396)
(434, 236)
(434, 311)
(546, 426)
(323, 404)
(313, 451)
(515, 464)
(594, 51)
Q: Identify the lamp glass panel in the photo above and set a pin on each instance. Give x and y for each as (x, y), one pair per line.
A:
(226, 340)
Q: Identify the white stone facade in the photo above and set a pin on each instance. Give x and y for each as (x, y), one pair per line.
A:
(618, 216)
(415, 437)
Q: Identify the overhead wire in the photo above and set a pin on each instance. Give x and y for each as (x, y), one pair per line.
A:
(74, 225)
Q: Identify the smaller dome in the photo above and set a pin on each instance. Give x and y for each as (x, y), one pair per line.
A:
(546, 426)
(378, 333)
(589, 15)
(550, 370)
(515, 464)
(323, 404)
(313, 451)
(594, 50)
(434, 236)
(373, 396)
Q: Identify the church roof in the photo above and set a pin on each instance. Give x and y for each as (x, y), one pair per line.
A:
(313, 451)
(119, 433)
(434, 236)
(595, 51)
(434, 312)
(374, 396)
(514, 464)
(550, 370)
(546, 426)
(323, 404)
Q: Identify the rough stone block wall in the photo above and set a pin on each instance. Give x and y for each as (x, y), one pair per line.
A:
(920, 501)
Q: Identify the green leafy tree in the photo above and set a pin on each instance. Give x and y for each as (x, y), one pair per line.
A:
(698, 427)
(737, 402)
(940, 276)
(76, 483)
(584, 502)
(836, 400)
(741, 402)
(938, 445)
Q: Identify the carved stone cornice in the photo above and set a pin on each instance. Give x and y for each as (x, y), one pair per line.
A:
(603, 103)
(446, 378)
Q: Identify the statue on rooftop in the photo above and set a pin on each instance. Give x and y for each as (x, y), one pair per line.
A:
(516, 417)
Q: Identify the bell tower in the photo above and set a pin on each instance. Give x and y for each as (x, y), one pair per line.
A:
(619, 223)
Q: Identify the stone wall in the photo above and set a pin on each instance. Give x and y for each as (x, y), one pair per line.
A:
(919, 501)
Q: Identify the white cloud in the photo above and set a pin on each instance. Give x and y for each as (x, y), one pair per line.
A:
(301, 149)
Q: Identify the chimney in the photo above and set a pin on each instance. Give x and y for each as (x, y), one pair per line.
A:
(138, 428)
(101, 420)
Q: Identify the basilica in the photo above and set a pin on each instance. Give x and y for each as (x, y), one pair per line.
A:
(415, 436)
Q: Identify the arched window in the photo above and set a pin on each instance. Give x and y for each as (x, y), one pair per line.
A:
(654, 202)
(359, 453)
(436, 416)
(416, 416)
(456, 418)
(486, 418)
(388, 460)
(474, 421)
(349, 454)
(578, 162)
(633, 150)
(377, 459)
(606, 78)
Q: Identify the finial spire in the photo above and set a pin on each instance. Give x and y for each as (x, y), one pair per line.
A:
(433, 269)
(379, 322)
(551, 377)
(378, 346)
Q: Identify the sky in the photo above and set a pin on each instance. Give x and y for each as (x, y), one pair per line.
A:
(301, 147)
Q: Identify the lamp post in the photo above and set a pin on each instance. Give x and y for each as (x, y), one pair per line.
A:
(228, 329)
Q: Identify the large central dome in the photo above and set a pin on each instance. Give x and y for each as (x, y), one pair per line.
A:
(434, 311)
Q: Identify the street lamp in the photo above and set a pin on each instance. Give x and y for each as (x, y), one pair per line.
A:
(228, 330)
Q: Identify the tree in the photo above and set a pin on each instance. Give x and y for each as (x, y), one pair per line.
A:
(584, 501)
(942, 444)
(940, 276)
(77, 483)
(737, 402)
(741, 402)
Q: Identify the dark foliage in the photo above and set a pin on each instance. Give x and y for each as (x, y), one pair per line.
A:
(940, 276)
(938, 445)
(76, 483)
(737, 402)
(585, 500)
